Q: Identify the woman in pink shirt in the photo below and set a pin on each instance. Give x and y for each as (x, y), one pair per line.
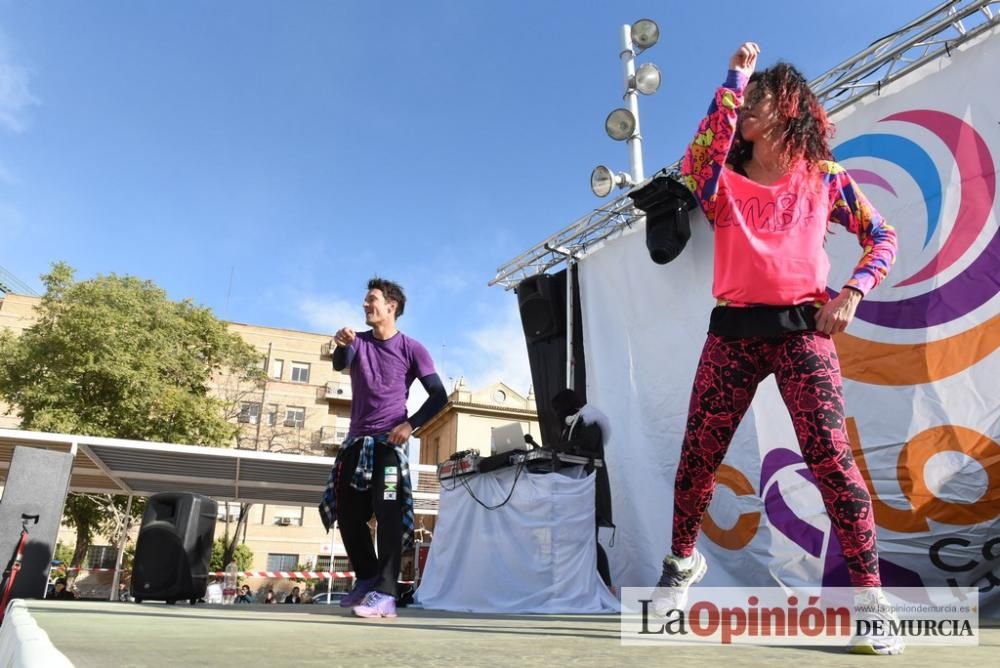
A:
(762, 170)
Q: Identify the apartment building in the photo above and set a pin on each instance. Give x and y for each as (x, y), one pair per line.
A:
(304, 407)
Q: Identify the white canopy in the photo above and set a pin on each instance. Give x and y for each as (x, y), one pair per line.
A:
(139, 468)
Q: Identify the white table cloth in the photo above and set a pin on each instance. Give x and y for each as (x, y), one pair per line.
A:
(535, 554)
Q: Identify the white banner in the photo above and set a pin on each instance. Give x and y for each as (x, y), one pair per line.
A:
(919, 362)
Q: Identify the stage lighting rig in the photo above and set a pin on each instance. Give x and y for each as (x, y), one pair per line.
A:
(666, 202)
(622, 124)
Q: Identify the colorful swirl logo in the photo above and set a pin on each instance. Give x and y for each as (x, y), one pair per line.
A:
(805, 534)
(883, 363)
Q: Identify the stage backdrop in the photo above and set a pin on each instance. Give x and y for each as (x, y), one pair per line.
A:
(922, 375)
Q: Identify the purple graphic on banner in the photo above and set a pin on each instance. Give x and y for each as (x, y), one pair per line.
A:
(810, 538)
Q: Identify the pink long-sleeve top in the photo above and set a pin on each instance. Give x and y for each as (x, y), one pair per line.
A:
(769, 240)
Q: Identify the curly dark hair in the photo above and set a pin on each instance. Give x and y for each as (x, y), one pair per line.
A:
(807, 129)
(392, 292)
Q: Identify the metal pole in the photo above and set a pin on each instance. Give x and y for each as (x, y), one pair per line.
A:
(329, 582)
(627, 57)
(570, 362)
(116, 580)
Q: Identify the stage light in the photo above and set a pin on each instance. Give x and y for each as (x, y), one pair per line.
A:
(645, 33)
(603, 180)
(620, 124)
(647, 79)
(666, 202)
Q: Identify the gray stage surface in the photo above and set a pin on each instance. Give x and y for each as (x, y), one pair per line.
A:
(153, 634)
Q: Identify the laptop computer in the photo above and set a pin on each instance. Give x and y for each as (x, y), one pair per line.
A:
(507, 438)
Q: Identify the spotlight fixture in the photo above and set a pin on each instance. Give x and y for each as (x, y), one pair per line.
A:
(603, 181)
(645, 33)
(647, 79)
(620, 124)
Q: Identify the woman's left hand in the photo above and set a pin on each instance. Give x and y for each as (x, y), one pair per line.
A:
(835, 315)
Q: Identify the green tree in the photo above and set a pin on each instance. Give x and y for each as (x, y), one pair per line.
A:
(63, 553)
(113, 356)
(242, 555)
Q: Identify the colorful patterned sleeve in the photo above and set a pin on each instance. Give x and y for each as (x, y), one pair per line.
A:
(706, 156)
(852, 209)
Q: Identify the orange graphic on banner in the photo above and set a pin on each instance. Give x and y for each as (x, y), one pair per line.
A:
(746, 526)
(898, 364)
(924, 504)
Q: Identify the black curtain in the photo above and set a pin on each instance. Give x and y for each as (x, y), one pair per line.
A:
(547, 358)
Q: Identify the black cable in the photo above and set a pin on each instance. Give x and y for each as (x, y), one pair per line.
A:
(517, 475)
(457, 458)
(454, 480)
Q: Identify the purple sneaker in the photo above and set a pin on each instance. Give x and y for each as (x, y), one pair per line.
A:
(356, 595)
(376, 604)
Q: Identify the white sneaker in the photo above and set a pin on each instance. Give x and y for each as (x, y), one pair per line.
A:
(871, 605)
(671, 591)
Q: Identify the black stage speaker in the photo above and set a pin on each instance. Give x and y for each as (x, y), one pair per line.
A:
(547, 356)
(34, 495)
(174, 548)
(541, 307)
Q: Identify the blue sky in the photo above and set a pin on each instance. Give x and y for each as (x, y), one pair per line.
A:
(266, 158)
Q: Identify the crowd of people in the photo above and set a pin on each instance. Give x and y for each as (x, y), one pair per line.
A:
(60, 590)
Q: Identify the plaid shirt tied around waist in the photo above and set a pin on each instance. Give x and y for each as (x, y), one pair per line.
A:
(361, 480)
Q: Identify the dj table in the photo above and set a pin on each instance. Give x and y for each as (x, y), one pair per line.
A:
(517, 541)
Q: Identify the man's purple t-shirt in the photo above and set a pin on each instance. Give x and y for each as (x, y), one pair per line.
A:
(381, 375)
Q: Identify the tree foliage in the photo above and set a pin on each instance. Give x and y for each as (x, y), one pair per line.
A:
(242, 555)
(113, 356)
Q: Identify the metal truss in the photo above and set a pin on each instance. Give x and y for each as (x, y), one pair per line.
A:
(934, 34)
(928, 37)
(570, 242)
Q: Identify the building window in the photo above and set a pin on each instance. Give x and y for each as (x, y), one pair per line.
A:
(277, 367)
(231, 514)
(340, 564)
(295, 416)
(300, 372)
(282, 562)
(100, 556)
(342, 428)
(249, 412)
(288, 520)
(272, 415)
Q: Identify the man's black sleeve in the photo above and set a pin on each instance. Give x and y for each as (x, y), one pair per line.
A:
(342, 357)
(436, 400)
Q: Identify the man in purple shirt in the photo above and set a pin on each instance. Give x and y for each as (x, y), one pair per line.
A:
(371, 474)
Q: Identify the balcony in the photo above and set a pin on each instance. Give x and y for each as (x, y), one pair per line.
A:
(338, 390)
(326, 350)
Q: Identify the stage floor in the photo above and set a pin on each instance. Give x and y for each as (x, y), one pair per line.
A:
(102, 634)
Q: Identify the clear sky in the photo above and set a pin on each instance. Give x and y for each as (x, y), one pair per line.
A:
(266, 158)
